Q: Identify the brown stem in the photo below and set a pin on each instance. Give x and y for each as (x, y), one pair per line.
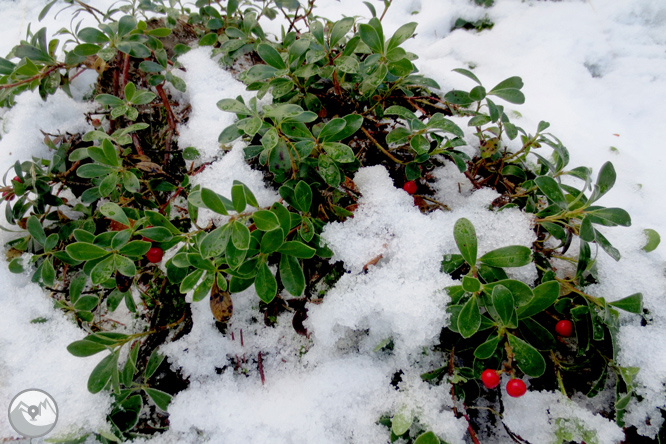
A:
(381, 148)
(260, 365)
(171, 119)
(173, 196)
(125, 73)
(137, 144)
(36, 76)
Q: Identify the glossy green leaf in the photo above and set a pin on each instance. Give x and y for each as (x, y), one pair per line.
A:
(291, 275)
(471, 284)
(469, 318)
(103, 270)
(36, 230)
(83, 251)
(610, 217)
(632, 304)
(297, 249)
(427, 438)
(153, 364)
(135, 248)
(265, 220)
(114, 212)
(270, 55)
(265, 283)
(371, 38)
(238, 198)
(528, 358)
(402, 421)
(402, 34)
(487, 349)
(504, 306)
(605, 181)
(465, 237)
(160, 398)
(552, 190)
(101, 374)
(234, 106)
(213, 201)
(303, 196)
(85, 348)
(240, 236)
(505, 257)
(125, 266)
(544, 296)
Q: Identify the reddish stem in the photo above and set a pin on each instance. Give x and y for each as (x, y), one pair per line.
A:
(125, 72)
(171, 119)
(260, 364)
(163, 207)
(30, 79)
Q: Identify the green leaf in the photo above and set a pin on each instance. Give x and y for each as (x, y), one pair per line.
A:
(487, 349)
(91, 170)
(76, 286)
(102, 271)
(238, 198)
(340, 29)
(420, 144)
(157, 220)
(505, 257)
(427, 438)
(48, 273)
(510, 83)
(86, 49)
(36, 230)
(605, 181)
(452, 262)
(503, 303)
(332, 127)
(371, 38)
(402, 421)
(587, 232)
(458, 97)
(522, 293)
(234, 106)
(130, 182)
(552, 190)
(215, 242)
(240, 236)
(471, 284)
(339, 152)
(544, 296)
(402, 34)
(400, 111)
(204, 288)
(329, 170)
(467, 73)
(528, 358)
(632, 304)
(609, 217)
(126, 24)
(536, 334)
(469, 318)
(270, 55)
(465, 237)
(83, 251)
(156, 234)
(101, 374)
(213, 201)
(265, 220)
(92, 35)
(86, 303)
(85, 348)
(114, 212)
(272, 240)
(297, 249)
(303, 197)
(653, 240)
(153, 364)
(265, 283)
(125, 266)
(191, 280)
(291, 275)
(160, 398)
(135, 248)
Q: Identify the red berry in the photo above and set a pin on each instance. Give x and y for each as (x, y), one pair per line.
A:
(490, 378)
(564, 328)
(155, 255)
(410, 187)
(17, 179)
(516, 388)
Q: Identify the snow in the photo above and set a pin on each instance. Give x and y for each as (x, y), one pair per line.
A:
(595, 70)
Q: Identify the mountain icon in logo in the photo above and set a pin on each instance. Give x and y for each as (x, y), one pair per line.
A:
(33, 413)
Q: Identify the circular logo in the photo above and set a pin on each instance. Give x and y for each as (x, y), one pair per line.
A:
(33, 413)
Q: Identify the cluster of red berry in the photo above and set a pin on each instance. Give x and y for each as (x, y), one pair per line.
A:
(516, 387)
(155, 254)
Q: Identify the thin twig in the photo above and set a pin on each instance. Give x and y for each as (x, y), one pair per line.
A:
(260, 365)
(381, 148)
(35, 77)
